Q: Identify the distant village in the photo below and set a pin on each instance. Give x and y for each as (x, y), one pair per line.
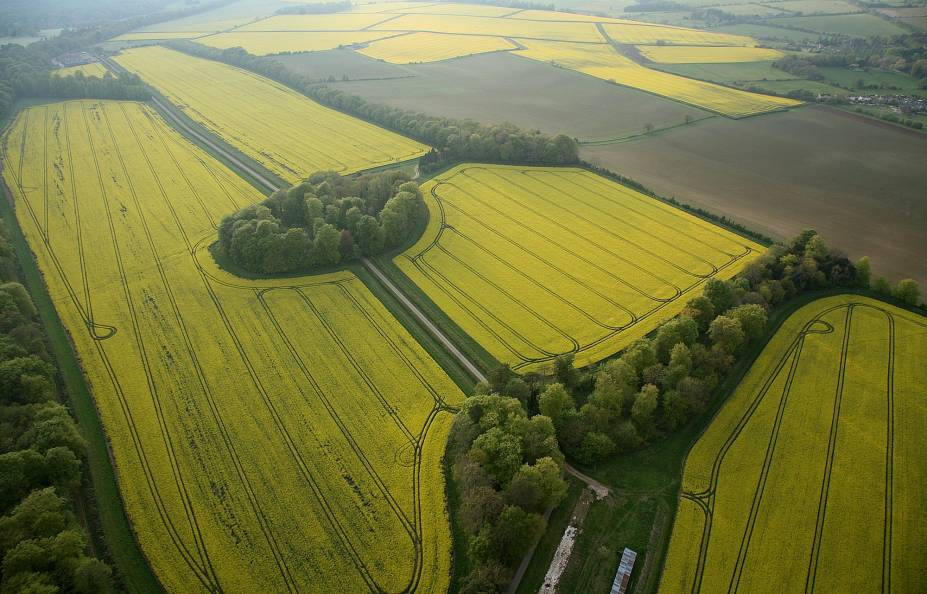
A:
(906, 104)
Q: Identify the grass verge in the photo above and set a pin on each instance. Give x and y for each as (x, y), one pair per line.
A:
(469, 347)
(428, 342)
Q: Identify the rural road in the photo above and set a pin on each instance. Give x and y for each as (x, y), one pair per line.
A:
(179, 122)
(413, 309)
(600, 490)
(424, 321)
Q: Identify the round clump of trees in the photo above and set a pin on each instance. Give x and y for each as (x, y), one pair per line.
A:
(322, 222)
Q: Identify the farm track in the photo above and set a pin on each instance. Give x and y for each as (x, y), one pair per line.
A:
(187, 539)
(791, 362)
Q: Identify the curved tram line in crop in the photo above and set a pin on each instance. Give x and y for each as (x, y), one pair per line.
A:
(467, 298)
(195, 555)
(789, 363)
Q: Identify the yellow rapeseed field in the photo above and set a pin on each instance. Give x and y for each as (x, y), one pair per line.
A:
(96, 69)
(496, 27)
(268, 436)
(537, 262)
(263, 44)
(681, 54)
(431, 47)
(281, 129)
(811, 477)
(404, 33)
(603, 61)
(346, 21)
(644, 34)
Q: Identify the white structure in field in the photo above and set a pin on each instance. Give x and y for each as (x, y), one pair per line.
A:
(620, 585)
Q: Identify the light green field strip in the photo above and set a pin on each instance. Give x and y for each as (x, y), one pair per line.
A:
(495, 27)
(95, 69)
(347, 21)
(264, 44)
(536, 262)
(282, 435)
(804, 478)
(677, 54)
(432, 47)
(152, 35)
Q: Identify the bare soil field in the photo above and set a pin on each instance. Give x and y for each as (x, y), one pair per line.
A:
(340, 63)
(499, 87)
(859, 182)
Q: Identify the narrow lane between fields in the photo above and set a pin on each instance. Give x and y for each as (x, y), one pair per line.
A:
(598, 488)
(407, 303)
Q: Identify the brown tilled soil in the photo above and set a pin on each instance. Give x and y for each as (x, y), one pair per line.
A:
(499, 87)
(861, 183)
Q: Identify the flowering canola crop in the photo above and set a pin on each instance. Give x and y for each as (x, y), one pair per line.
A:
(811, 476)
(269, 436)
(286, 132)
(536, 262)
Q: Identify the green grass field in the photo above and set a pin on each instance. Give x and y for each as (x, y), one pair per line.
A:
(728, 73)
(786, 86)
(767, 32)
(854, 25)
(886, 79)
(809, 477)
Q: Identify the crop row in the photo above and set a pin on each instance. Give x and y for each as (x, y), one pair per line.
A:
(268, 436)
(803, 478)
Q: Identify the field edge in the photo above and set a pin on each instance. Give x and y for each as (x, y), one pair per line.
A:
(122, 546)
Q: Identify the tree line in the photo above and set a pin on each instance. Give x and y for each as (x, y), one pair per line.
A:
(659, 383)
(43, 547)
(508, 470)
(326, 220)
(27, 71)
(453, 140)
(23, 18)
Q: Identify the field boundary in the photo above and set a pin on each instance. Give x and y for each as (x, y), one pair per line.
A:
(121, 542)
(450, 364)
(468, 300)
(247, 168)
(706, 215)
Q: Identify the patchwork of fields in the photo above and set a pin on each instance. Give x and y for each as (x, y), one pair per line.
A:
(602, 61)
(533, 263)
(410, 32)
(432, 47)
(269, 436)
(265, 44)
(277, 127)
(811, 475)
(670, 54)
